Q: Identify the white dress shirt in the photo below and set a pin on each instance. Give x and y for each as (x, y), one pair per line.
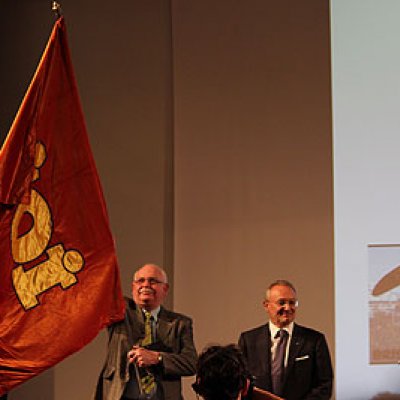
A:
(274, 340)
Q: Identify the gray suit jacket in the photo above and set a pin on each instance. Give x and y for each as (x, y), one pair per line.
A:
(174, 341)
(308, 374)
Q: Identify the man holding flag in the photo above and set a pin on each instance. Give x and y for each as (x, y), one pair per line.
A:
(151, 349)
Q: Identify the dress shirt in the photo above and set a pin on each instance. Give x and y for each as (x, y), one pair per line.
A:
(274, 340)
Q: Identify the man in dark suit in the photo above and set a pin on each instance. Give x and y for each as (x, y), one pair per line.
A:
(306, 370)
(151, 349)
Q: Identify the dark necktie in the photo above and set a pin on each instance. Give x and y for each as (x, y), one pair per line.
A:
(278, 364)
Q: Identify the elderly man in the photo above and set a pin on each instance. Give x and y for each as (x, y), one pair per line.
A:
(151, 349)
(289, 360)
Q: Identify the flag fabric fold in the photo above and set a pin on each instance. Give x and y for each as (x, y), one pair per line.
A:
(59, 279)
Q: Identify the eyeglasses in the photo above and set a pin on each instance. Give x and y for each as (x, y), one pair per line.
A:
(290, 302)
(151, 281)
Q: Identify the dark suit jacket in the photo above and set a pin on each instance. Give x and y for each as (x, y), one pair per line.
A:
(174, 341)
(308, 374)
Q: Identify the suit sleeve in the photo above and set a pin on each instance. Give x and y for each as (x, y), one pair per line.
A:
(242, 346)
(323, 374)
(181, 362)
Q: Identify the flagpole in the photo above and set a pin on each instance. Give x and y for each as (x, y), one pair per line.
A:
(56, 7)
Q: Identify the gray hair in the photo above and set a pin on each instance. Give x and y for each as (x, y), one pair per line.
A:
(161, 270)
(279, 282)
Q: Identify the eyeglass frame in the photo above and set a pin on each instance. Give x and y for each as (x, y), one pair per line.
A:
(152, 281)
(282, 302)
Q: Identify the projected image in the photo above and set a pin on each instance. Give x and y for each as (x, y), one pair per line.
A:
(384, 303)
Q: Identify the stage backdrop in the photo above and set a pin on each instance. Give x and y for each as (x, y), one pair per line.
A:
(236, 97)
(366, 100)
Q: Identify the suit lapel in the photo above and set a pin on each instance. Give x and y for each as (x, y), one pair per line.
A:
(267, 356)
(262, 350)
(136, 325)
(295, 346)
(165, 325)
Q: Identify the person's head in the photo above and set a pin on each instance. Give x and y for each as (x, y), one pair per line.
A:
(149, 286)
(281, 303)
(221, 373)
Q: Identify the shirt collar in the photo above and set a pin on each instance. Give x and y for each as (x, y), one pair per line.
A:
(274, 329)
(154, 313)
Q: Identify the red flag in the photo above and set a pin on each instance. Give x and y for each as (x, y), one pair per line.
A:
(59, 280)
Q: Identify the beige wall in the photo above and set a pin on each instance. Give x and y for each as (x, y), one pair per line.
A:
(235, 96)
(253, 179)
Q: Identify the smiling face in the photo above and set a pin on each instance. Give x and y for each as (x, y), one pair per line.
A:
(149, 287)
(281, 305)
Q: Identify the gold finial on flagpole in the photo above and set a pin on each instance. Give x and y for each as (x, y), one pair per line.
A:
(56, 7)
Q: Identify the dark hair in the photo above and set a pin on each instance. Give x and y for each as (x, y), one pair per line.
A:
(221, 373)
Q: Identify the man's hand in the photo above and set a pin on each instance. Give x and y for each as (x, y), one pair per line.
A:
(143, 357)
